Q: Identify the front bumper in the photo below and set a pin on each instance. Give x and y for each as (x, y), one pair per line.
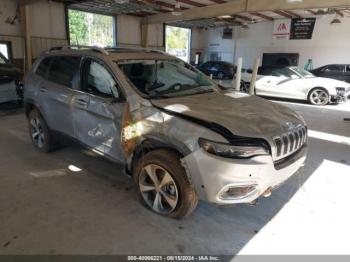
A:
(340, 98)
(211, 175)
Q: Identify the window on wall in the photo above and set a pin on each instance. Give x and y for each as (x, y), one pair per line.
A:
(91, 29)
(178, 42)
(5, 50)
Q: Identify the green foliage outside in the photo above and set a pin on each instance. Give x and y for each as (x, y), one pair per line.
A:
(176, 37)
(90, 29)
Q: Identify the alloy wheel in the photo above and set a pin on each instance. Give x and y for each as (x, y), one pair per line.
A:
(158, 189)
(37, 132)
(319, 97)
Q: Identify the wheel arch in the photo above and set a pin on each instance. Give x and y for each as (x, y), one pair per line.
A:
(152, 143)
(29, 105)
(317, 87)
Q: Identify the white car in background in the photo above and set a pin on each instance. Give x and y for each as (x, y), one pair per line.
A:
(297, 83)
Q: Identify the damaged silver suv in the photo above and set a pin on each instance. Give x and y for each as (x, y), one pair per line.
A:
(181, 137)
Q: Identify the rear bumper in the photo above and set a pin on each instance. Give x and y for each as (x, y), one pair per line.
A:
(212, 175)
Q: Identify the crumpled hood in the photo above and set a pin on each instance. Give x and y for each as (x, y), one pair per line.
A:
(243, 115)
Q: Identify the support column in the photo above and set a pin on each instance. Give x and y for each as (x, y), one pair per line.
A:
(254, 75)
(144, 35)
(26, 30)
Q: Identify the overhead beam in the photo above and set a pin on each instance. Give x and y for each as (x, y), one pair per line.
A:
(232, 7)
(338, 12)
(190, 2)
(218, 1)
(163, 4)
(284, 14)
(292, 14)
(29, 2)
(268, 5)
(311, 12)
(266, 17)
(243, 6)
(243, 17)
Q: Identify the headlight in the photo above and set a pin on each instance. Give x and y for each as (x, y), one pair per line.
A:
(241, 149)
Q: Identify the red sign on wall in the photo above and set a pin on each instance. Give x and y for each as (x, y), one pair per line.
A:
(281, 29)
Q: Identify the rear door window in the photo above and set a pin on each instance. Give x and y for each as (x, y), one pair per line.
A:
(335, 68)
(64, 69)
(43, 67)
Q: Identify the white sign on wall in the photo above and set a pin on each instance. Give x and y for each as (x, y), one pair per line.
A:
(281, 29)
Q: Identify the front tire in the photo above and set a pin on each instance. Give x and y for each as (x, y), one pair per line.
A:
(163, 185)
(318, 96)
(39, 132)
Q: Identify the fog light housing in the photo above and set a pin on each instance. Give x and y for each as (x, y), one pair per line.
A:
(235, 192)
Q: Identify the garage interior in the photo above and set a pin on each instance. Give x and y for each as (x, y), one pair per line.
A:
(73, 201)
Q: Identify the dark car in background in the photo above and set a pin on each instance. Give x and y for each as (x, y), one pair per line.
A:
(336, 71)
(10, 81)
(218, 69)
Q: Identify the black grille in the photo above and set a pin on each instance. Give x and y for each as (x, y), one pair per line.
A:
(290, 142)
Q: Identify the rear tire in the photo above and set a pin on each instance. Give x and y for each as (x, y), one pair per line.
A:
(163, 185)
(39, 132)
(318, 96)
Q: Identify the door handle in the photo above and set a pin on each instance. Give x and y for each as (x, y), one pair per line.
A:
(81, 102)
(43, 89)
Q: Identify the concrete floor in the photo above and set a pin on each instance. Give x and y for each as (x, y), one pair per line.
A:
(45, 208)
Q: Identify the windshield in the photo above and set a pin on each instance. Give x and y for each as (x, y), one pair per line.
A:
(166, 78)
(282, 72)
(302, 72)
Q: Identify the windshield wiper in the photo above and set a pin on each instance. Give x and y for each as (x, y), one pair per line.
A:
(155, 96)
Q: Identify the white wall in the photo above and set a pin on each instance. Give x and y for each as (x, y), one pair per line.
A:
(129, 32)
(155, 36)
(196, 42)
(213, 42)
(330, 43)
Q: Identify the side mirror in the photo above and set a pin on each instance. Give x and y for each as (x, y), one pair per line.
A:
(294, 77)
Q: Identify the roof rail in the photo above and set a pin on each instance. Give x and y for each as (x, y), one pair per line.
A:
(135, 49)
(80, 47)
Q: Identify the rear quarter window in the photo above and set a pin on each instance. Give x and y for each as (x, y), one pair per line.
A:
(63, 69)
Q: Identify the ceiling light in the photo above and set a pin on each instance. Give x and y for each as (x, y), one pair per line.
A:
(121, 1)
(294, 1)
(176, 13)
(224, 17)
(177, 9)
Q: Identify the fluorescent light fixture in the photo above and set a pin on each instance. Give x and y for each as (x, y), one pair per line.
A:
(224, 16)
(294, 1)
(177, 9)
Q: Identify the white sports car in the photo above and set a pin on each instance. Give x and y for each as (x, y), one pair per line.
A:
(297, 83)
